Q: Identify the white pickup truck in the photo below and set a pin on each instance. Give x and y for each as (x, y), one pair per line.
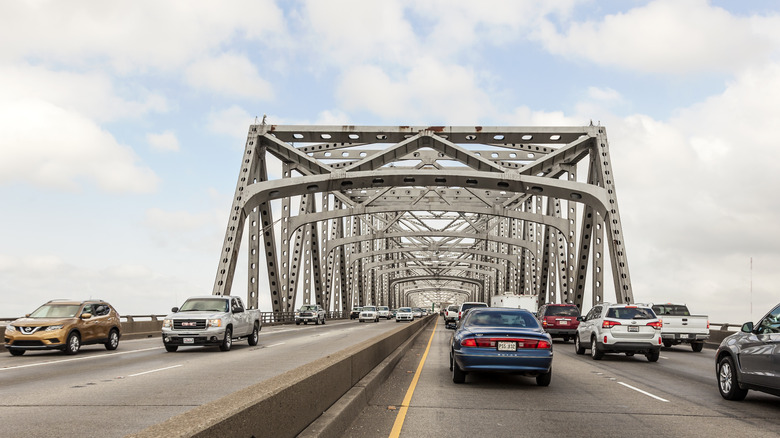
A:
(682, 327)
(210, 320)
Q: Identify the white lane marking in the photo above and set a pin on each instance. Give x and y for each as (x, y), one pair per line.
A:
(644, 392)
(664, 357)
(78, 358)
(274, 345)
(153, 371)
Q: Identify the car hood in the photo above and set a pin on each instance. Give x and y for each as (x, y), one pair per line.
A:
(34, 322)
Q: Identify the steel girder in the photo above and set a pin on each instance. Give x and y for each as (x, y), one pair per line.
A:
(369, 198)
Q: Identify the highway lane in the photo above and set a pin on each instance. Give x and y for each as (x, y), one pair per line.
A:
(617, 396)
(113, 393)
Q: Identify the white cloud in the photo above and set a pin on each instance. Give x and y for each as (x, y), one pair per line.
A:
(230, 75)
(164, 142)
(52, 147)
(233, 121)
(177, 221)
(668, 36)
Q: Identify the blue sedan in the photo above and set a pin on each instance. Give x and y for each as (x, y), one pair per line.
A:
(501, 340)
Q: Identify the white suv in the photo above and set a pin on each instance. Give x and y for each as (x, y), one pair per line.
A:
(384, 312)
(368, 313)
(619, 328)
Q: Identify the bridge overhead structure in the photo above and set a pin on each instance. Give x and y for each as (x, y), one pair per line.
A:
(405, 215)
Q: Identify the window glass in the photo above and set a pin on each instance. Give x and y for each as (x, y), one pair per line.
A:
(56, 311)
(562, 311)
(630, 313)
(501, 319)
(770, 323)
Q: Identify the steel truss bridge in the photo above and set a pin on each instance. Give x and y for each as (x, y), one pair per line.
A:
(404, 215)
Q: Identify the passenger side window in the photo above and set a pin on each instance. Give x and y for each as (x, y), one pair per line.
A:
(87, 309)
(770, 324)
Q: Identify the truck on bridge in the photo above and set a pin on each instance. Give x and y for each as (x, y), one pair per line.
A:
(527, 302)
(210, 320)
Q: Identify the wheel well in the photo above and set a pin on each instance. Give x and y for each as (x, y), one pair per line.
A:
(76, 331)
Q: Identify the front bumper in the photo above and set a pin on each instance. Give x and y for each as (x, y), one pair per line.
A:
(182, 337)
(54, 340)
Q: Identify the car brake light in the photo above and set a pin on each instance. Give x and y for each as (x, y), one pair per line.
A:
(656, 324)
(708, 324)
(468, 343)
(609, 324)
(493, 342)
(605, 339)
(543, 344)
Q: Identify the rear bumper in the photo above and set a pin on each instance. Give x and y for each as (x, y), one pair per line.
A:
(684, 337)
(557, 332)
(629, 347)
(486, 360)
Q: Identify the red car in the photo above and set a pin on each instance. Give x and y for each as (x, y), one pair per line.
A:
(559, 320)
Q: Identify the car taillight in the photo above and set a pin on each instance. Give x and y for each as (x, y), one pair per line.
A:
(609, 324)
(544, 323)
(656, 324)
(543, 344)
(468, 342)
(493, 342)
(459, 313)
(708, 324)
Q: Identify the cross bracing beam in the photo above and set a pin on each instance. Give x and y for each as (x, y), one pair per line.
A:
(507, 183)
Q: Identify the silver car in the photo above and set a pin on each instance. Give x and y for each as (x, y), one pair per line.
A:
(619, 328)
(750, 359)
(404, 314)
(384, 312)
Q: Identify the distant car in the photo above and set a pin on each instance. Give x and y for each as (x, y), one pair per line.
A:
(404, 314)
(619, 328)
(501, 340)
(310, 313)
(368, 313)
(418, 312)
(559, 320)
(355, 312)
(64, 325)
(384, 312)
(451, 315)
(750, 359)
(468, 305)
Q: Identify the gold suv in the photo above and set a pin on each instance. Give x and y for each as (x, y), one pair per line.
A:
(64, 325)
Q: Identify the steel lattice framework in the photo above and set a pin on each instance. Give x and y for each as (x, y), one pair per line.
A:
(411, 215)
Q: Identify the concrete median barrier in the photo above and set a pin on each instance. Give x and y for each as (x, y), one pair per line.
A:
(285, 405)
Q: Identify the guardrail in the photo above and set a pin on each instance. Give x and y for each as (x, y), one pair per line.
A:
(149, 326)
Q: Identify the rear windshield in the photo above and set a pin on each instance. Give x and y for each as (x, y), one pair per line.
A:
(516, 319)
(630, 313)
(562, 311)
(453, 308)
(467, 306)
(671, 309)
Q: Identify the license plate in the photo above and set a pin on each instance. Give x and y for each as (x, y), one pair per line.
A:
(633, 329)
(563, 322)
(188, 340)
(693, 336)
(507, 346)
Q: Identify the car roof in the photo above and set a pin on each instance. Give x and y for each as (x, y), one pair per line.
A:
(71, 302)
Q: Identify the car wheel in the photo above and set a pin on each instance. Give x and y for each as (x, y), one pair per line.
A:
(323, 321)
(255, 336)
(653, 355)
(668, 344)
(305, 322)
(16, 351)
(544, 379)
(73, 344)
(595, 353)
(317, 321)
(697, 346)
(297, 323)
(728, 384)
(397, 320)
(458, 376)
(228, 341)
(113, 340)
(578, 348)
(171, 348)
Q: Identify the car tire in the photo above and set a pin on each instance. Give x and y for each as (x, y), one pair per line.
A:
(323, 321)
(668, 344)
(16, 351)
(578, 348)
(297, 323)
(227, 342)
(458, 376)
(544, 379)
(397, 320)
(697, 346)
(728, 383)
(72, 344)
(653, 355)
(113, 340)
(171, 348)
(317, 321)
(595, 352)
(255, 336)
(565, 339)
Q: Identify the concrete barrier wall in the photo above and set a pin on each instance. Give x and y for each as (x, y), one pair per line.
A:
(285, 405)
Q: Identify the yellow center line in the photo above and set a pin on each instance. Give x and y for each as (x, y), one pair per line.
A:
(399, 419)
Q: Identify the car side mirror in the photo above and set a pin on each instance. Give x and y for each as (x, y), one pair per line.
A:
(747, 327)
(86, 315)
(580, 318)
(174, 309)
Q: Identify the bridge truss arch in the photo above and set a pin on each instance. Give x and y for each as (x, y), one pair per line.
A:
(361, 211)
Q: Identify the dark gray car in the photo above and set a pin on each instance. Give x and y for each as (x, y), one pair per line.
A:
(750, 359)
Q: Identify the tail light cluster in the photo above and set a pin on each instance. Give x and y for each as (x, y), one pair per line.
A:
(656, 324)
(493, 342)
(609, 324)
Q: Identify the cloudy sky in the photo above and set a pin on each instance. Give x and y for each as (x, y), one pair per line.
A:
(122, 126)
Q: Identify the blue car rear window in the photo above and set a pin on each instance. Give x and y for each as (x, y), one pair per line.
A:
(501, 319)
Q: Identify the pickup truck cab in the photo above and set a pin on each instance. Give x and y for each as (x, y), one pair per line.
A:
(682, 327)
(210, 320)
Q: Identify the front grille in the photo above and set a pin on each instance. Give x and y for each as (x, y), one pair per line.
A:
(28, 344)
(189, 324)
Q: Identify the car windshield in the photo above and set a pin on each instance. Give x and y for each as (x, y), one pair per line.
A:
(405, 309)
(383, 308)
(562, 311)
(306, 308)
(630, 313)
(204, 304)
(481, 318)
(369, 309)
(671, 309)
(56, 311)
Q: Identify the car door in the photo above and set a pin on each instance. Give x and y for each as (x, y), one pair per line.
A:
(88, 327)
(240, 317)
(587, 326)
(759, 354)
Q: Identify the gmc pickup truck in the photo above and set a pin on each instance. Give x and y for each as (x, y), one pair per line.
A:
(210, 320)
(682, 327)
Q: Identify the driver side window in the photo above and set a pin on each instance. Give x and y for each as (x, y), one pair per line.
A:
(771, 323)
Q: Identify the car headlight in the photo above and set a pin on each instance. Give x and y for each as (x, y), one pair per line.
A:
(51, 328)
(10, 328)
(297, 313)
(214, 323)
(167, 323)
